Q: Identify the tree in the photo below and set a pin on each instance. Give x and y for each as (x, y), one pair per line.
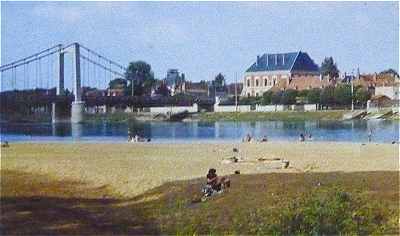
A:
(117, 83)
(361, 96)
(390, 71)
(327, 96)
(342, 94)
(314, 96)
(328, 67)
(289, 97)
(219, 81)
(267, 97)
(140, 73)
(163, 90)
(276, 97)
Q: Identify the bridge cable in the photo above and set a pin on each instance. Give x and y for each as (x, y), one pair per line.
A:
(88, 71)
(31, 56)
(40, 74)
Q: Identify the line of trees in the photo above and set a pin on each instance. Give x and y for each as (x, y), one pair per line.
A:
(329, 96)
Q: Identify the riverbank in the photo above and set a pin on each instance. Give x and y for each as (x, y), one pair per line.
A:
(121, 117)
(276, 203)
(273, 116)
(131, 169)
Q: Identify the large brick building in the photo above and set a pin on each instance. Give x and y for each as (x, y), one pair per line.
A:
(295, 70)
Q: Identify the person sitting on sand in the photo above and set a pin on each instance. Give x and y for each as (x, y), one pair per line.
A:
(5, 144)
(215, 182)
(264, 139)
(302, 138)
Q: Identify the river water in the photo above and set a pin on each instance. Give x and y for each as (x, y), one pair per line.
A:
(342, 131)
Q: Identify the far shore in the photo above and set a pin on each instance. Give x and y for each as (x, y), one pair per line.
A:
(122, 117)
(128, 170)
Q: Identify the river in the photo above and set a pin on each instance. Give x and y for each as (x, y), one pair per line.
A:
(343, 131)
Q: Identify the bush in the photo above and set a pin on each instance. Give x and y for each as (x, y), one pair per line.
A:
(276, 97)
(331, 212)
(314, 96)
(288, 97)
(361, 96)
(327, 96)
(343, 94)
(267, 98)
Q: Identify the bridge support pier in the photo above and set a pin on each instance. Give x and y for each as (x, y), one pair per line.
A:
(60, 112)
(77, 110)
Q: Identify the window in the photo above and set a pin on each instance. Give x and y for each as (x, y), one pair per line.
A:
(248, 94)
(248, 83)
(256, 82)
(265, 82)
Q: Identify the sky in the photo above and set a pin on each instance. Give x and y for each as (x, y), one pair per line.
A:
(202, 39)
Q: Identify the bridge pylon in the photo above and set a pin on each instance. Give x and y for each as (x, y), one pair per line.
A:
(78, 106)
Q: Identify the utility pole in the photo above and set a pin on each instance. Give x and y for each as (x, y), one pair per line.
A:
(352, 87)
(236, 99)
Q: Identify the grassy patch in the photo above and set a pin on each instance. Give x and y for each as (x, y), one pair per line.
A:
(282, 116)
(281, 204)
(117, 117)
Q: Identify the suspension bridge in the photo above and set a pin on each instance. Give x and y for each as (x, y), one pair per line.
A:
(58, 71)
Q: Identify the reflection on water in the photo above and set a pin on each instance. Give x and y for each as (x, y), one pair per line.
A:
(356, 131)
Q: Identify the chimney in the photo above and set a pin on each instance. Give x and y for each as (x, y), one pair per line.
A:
(258, 60)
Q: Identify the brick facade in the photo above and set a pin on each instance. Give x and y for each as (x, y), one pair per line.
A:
(282, 71)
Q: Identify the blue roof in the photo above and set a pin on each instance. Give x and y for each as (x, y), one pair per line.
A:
(292, 61)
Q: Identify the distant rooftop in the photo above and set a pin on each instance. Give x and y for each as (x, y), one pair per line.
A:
(292, 61)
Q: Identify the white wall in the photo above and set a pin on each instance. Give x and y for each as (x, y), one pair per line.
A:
(240, 108)
(310, 107)
(391, 92)
(266, 108)
(173, 110)
(282, 107)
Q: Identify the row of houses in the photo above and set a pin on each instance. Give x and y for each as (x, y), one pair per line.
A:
(296, 70)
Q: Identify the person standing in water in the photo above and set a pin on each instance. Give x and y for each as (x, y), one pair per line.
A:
(370, 135)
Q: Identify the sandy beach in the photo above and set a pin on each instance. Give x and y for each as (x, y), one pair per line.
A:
(127, 170)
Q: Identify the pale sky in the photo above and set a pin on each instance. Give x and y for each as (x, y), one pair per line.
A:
(202, 39)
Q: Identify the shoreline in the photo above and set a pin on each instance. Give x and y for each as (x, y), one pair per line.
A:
(121, 117)
(167, 141)
(129, 170)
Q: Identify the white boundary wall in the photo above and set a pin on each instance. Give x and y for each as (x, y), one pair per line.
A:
(240, 108)
(273, 108)
(173, 110)
(310, 107)
(266, 108)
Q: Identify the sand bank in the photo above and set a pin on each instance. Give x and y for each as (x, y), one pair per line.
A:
(131, 169)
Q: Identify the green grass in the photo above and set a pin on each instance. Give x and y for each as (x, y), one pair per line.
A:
(281, 116)
(358, 203)
(117, 117)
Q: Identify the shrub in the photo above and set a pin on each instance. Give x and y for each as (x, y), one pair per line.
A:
(289, 97)
(322, 212)
(267, 98)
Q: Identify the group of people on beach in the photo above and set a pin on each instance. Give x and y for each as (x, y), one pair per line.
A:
(136, 138)
(302, 138)
(248, 139)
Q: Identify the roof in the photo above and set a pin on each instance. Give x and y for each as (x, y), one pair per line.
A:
(379, 97)
(292, 61)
